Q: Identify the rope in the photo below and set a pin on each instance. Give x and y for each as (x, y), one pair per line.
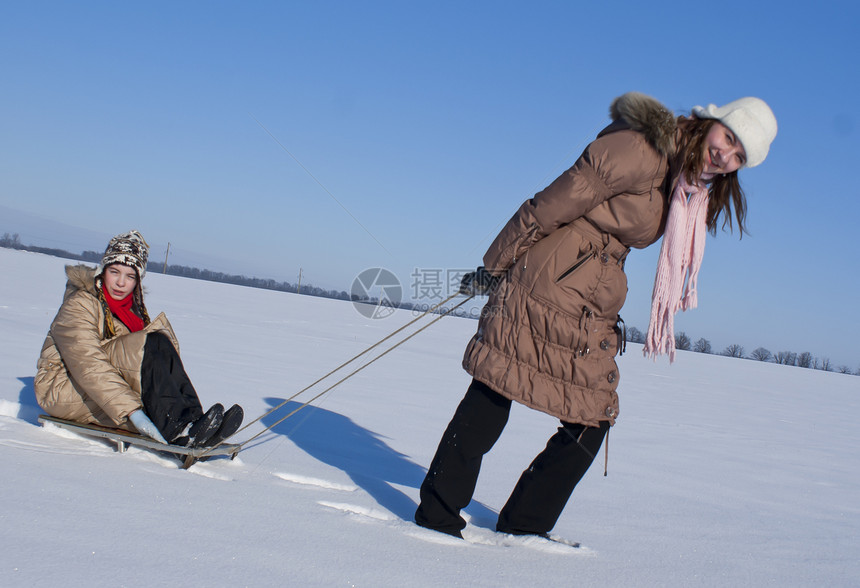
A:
(341, 366)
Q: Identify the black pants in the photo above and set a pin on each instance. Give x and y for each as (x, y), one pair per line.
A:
(169, 399)
(541, 492)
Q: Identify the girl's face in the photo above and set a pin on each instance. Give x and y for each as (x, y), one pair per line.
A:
(119, 280)
(724, 153)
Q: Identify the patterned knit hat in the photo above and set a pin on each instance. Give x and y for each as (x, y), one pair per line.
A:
(128, 249)
(751, 120)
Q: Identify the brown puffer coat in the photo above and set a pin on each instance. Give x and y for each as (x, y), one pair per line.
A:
(548, 334)
(81, 375)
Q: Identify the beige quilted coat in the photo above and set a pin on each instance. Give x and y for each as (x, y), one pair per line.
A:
(81, 375)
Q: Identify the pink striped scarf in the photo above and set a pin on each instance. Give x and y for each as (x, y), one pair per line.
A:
(678, 266)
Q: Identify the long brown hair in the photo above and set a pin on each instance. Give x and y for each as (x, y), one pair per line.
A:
(725, 190)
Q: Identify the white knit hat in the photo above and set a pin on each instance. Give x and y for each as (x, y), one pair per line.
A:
(128, 249)
(751, 120)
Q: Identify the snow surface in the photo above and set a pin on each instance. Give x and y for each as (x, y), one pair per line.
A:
(722, 472)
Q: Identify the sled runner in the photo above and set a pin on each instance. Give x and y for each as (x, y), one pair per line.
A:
(189, 455)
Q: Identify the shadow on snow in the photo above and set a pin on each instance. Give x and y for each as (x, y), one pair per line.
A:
(28, 410)
(363, 455)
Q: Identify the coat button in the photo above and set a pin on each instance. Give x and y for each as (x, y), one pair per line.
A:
(604, 258)
(604, 345)
(611, 377)
(611, 412)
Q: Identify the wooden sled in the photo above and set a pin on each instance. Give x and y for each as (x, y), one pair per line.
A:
(188, 455)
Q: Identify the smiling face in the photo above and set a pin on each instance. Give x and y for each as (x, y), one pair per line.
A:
(119, 280)
(723, 152)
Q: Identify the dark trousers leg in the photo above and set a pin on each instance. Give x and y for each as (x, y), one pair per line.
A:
(169, 399)
(545, 487)
(453, 473)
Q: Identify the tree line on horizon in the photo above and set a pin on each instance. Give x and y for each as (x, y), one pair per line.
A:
(804, 359)
(13, 241)
(633, 335)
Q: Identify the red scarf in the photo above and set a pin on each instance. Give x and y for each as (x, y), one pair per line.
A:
(122, 310)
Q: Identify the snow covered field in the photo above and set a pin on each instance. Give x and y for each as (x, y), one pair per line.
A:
(722, 472)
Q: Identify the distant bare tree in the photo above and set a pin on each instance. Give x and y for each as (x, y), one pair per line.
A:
(761, 354)
(826, 365)
(804, 359)
(734, 350)
(10, 241)
(634, 335)
(785, 358)
(843, 369)
(702, 346)
(682, 342)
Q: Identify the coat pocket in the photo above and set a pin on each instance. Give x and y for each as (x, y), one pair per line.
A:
(579, 263)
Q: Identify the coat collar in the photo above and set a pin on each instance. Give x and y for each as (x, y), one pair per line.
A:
(646, 115)
(80, 277)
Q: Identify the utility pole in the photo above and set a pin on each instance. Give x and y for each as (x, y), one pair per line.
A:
(299, 289)
(164, 270)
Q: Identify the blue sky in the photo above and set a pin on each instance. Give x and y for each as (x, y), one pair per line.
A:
(267, 137)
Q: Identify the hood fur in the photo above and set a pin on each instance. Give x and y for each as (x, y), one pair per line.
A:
(80, 277)
(648, 116)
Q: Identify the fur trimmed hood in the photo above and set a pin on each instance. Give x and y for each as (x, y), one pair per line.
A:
(644, 114)
(80, 277)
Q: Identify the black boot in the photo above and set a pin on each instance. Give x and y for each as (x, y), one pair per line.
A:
(229, 425)
(203, 428)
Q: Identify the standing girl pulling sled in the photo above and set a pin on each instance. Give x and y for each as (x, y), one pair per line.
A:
(555, 278)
